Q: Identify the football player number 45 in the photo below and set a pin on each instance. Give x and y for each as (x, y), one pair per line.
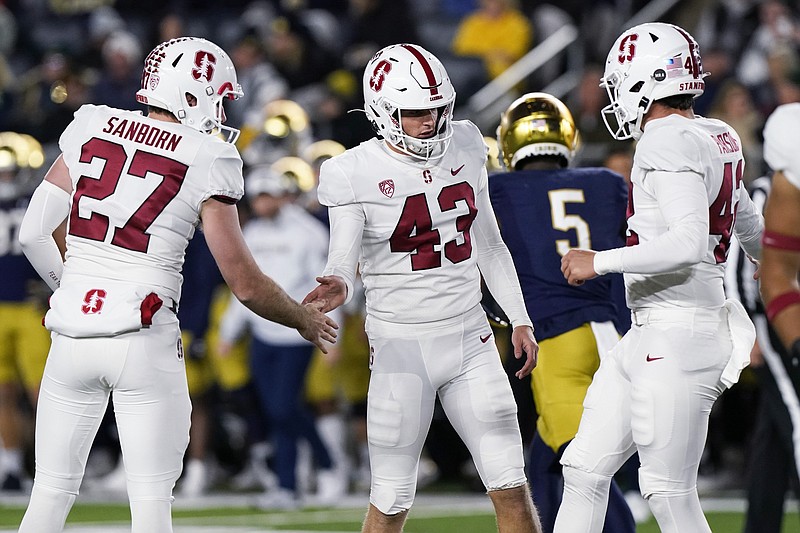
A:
(133, 235)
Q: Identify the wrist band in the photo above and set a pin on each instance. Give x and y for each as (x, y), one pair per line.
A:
(781, 302)
(772, 239)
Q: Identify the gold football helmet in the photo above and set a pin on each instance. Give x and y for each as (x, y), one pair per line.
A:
(536, 124)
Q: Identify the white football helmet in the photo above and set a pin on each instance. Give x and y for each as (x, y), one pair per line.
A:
(408, 77)
(191, 66)
(648, 62)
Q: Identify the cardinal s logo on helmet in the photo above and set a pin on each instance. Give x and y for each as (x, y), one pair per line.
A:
(204, 65)
(376, 81)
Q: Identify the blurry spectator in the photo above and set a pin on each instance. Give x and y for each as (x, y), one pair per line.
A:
(101, 24)
(497, 32)
(296, 55)
(719, 62)
(7, 82)
(36, 105)
(120, 77)
(586, 103)
(375, 24)
(332, 117)
(261, 82)
(778, 32)
(734, 105)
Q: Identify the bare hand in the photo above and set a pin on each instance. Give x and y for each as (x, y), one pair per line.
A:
(328, 295)
(524, 342)
(578, 266)
(757, 263)
(318, 328)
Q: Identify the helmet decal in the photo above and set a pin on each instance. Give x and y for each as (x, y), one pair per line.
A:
(379, 75)
(204, 65)
(627, 48)
(693, 62)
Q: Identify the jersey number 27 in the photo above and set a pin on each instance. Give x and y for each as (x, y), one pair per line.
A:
(133, 235)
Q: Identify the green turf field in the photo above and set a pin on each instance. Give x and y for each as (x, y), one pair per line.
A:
(454, 515)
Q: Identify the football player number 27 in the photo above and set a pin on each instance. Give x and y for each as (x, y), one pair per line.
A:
(133, 235)
(415, 232)
(559, 198)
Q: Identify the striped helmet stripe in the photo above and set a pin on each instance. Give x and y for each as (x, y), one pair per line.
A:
(426, 67)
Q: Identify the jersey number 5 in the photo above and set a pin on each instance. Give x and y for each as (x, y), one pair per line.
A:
(415, 232)
(133, 235)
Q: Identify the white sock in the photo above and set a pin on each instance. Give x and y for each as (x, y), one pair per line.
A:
(11, 461)
(331, 430)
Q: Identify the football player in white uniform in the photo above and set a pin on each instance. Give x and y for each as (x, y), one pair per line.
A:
(133, 189)
(654, 390)
(412, 211)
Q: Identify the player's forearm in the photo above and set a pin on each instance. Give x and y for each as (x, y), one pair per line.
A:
(268, 300)
(347, 226)
(48, 208)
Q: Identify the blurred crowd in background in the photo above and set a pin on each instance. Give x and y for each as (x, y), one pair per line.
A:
(300, 63)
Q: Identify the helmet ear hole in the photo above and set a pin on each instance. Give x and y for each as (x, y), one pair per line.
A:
(190, 99)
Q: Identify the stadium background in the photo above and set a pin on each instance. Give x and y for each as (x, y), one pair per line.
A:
(300, 64)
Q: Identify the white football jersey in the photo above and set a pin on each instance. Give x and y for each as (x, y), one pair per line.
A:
(418, 247)
(138, 186)
(780, 142)
(711, 149)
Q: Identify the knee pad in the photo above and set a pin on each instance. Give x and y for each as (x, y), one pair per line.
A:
(589, 485)
(394, 485)
(64, 483)
(152, 488)
(500, 460)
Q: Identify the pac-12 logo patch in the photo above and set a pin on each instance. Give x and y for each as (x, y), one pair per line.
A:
(93, 301)
(387, 188)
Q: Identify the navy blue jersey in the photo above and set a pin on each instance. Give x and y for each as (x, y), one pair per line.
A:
(544, 213)
(14, 266)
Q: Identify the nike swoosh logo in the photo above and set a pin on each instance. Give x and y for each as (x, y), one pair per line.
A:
(486, 338)
(456, 171)
(651, 358)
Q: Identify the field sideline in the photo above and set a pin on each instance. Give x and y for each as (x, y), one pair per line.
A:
(432, 513)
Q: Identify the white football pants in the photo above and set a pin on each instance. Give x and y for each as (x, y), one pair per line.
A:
(653, 393)
(145, 373)
(457, 359)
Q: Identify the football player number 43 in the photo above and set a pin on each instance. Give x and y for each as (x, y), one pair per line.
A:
(133, 235)
(415, 232)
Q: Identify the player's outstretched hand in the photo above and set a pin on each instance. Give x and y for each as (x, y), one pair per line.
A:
(328, 295)
(525, 343)
(578, 266)
(318, 327)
